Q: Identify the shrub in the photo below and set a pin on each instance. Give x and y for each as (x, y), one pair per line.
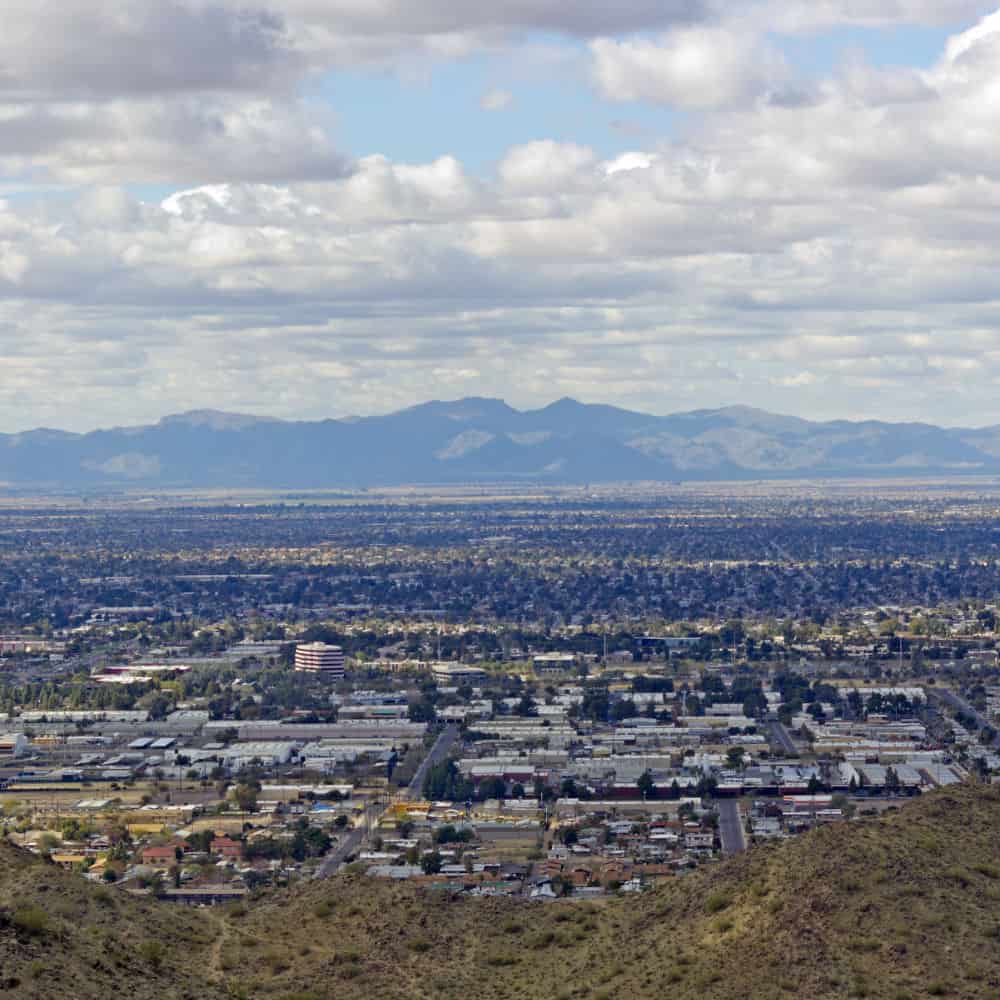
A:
(864, 945)
(30, 919)
(957, 874)
(544, 939)
(346, 958)
(152, 951)
(275, 960)
(499, 959)
(716, 902)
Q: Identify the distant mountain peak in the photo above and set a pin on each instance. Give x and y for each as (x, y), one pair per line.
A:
(466, 408)
(216, 420)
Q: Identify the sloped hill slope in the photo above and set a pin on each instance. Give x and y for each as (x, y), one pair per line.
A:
(905, 907)
(63, 938)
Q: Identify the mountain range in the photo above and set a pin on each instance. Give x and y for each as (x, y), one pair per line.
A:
(485, 440)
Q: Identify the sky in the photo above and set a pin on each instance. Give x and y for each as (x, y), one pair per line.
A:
(314, 208)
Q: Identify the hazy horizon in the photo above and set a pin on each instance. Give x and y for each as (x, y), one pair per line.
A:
(208, 411)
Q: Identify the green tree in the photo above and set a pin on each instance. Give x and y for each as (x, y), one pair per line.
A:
(569, 835)
(646, 785)
(445, 782)
(431, 863)
(245, 797)
(568, 789)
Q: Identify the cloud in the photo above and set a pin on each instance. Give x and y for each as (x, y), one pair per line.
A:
(688, 68)
(496, 100)
(84, 50)
(177, 141)
(545, 167)
(94, 49)
(584, 18)
(806, 16)
(193, 91)
(769, 247)
(55, 49)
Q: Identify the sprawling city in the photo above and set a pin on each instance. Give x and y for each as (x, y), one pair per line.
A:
(555, 695)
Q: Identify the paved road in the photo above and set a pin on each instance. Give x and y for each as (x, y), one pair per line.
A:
(440, 750)
(779, 736)
(958, 704)
(731, 827)
(354, 839)
(349, 844)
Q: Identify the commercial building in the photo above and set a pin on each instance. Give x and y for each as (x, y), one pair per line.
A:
(457, 673)
(320, 658)
(14, 744)
(269, 753)
(309, 732)
(553, 663)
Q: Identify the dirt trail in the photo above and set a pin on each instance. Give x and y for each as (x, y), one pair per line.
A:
(215, 954)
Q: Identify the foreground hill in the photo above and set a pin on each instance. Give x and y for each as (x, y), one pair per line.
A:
(485, 440)
(60, 938)
(905, 907)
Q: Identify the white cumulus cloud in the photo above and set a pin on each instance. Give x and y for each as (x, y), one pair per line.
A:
(688, 68)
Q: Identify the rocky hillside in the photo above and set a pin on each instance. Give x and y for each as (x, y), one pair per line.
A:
(60, 937)
(904, 907)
